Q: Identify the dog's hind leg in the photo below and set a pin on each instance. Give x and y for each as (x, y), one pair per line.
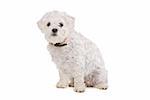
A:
(101, 79)
(97, 79)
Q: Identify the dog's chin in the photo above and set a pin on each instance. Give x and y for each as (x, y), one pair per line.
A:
(55, 40)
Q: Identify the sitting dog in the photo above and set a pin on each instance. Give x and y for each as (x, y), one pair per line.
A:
(78, 60)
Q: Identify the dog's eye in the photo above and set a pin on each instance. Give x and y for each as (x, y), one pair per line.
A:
(61, 25)
(48, 24)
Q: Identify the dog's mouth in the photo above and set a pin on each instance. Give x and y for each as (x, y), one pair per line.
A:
(55, 39)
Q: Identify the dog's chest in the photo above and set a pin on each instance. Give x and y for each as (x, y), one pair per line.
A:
(60, 55)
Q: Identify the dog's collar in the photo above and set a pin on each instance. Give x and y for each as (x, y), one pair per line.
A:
(64, 43)
(59, 44)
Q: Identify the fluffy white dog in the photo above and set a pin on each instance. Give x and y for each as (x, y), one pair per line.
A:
(78, 60)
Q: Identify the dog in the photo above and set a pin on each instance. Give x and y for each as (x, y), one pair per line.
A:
(78, 60)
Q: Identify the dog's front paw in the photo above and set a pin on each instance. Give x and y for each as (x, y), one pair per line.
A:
(79, 88)
(61, 85)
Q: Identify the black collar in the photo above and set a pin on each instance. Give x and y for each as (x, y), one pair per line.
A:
(59, 44)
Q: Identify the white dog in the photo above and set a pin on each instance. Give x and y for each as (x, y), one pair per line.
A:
(78, 60)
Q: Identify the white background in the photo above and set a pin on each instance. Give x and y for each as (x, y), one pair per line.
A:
(120, 28)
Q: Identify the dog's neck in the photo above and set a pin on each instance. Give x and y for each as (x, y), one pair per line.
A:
(61, 44)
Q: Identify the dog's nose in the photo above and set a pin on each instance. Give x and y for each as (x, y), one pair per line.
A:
(54, 30)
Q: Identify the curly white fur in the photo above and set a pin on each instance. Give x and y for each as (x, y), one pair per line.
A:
(80, 63)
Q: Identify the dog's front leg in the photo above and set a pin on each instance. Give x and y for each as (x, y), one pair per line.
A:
(64, 80)
(79, 85)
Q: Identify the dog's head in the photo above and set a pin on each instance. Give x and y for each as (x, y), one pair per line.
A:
(56, 26)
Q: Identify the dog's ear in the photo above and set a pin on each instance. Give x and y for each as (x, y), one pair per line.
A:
(69, 20)
(41, 22)
(41, 25)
